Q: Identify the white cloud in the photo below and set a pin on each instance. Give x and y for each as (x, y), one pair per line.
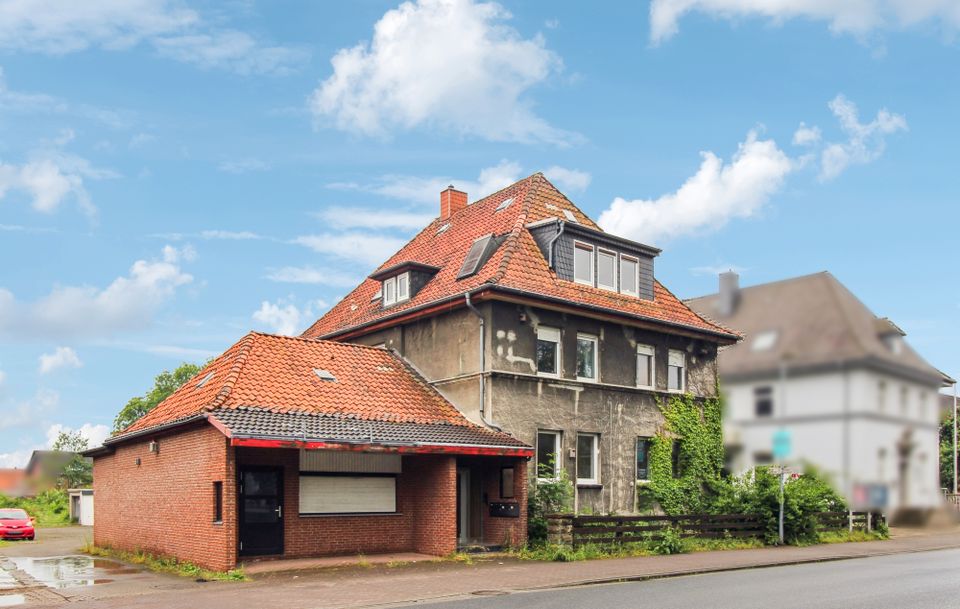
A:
(128, 303)
(374, 219)
(865, 141)
(806, 136)
(169, 26)
(3, 378)
(93, 434)
(311, 275)
(569, 180)
(366, 248)
(707, 200)
(426, 190)
(285, 317)
(43, 403)
(211, 234)
(51, 176)
(62, 357)
(243, 166)
(42, 103)
(451, 64)
(857, 17)
(17, 458)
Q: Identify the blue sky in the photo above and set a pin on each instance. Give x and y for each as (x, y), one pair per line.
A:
(174, 174)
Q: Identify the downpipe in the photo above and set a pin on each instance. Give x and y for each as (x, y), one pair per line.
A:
(483, 363)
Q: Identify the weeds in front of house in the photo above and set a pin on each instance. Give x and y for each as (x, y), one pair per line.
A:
(362, 561)
(393, 564)
(164, 564)
(848, 536)
(459, 557)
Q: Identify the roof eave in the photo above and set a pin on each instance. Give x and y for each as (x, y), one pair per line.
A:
(266, 441)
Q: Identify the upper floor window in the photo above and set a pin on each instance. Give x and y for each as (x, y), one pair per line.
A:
(763, 401)
(548, 351)
(396, 289)
(645, 363)
(882, 395)
(607, 270)
(904, 400)
(583, 263)
(586, 357)
(676, 371)
(629, 278)
(548, 455)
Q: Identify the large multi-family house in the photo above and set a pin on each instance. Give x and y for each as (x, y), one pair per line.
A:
(510, 339)
(531, 319)
(854, 398)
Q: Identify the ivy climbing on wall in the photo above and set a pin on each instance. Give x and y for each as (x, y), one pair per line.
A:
(696, 426)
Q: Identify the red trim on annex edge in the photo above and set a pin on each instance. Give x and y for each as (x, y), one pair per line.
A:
(423, 449)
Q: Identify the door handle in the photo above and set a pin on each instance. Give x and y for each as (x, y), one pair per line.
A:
(279, 511)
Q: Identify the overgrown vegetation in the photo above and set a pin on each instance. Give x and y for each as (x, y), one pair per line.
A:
(676, 545)
(947, 453)
(165, 564)
(50, 507)
(549, 496)
(164, 384)
(78, 471)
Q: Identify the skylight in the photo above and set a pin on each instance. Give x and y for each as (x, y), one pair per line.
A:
(472, 262)
(569, 215)
(325, 375)
(443, 229)
(764, 341)
(204, 380)
(504, 204)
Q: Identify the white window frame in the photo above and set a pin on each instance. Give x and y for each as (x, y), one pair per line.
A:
(389, 291)
(652, 352)
(558, 454)
(594, 478)
(636, 275)
(616, 263)
(549, 334)
(593, 254)
(403, 287)
(671, 357)
(596, 358)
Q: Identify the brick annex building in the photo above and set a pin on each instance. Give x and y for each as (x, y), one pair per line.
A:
(510, 339)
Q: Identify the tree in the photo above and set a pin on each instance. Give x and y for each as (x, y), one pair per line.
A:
(78, 471)
(947, 453)
(165, 383)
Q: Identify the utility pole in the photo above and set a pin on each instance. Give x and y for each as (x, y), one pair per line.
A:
(782, 473)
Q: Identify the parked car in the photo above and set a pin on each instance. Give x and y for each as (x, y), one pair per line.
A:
(16, 524)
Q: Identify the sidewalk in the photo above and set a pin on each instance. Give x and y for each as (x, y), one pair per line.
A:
(380, 586)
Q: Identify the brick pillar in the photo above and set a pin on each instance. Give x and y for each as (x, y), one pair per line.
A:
(435, 504)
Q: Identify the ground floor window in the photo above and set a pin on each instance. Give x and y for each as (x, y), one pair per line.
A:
(643, 459)
(218, 501)
(347, 494)
(588, 458)
(548, 455)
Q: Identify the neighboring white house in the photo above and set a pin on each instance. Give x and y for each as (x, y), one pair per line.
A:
(856, 400)
(81, 506)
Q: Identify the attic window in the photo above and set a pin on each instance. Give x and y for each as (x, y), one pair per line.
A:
(396, 289)
(204, 380)
(325, 375)
(472, 262)
(504, 204)
(569, 215)
(443, 229)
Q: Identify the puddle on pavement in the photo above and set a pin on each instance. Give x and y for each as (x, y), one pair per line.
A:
(71, 571)
(6, 580)
(12, 600)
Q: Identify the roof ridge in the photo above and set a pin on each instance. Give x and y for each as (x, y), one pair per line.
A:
(301, 338)
(518, 226)
(768, 283)
(233, 375)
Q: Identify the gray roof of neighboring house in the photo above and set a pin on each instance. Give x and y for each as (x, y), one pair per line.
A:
(308, 427)
(810, 322)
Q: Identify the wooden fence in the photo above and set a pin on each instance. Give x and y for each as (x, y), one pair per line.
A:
(578, 530)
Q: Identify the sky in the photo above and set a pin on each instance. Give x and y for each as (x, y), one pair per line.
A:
(174, 174)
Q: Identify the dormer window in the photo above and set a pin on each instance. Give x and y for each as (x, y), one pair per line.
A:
(607, 270)
(396, 289)
(583, 263)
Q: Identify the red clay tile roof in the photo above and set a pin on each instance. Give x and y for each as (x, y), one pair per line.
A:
(517, 264)
(12, 481)
(275, 374)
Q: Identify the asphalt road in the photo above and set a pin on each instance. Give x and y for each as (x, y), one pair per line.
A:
(924, 580)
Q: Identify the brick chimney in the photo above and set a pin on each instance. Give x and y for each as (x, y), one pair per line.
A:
(729, 293)
(451, 201)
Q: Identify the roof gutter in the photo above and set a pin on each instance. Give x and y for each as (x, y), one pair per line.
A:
(483, 362)
(155, 429)
(402, 448)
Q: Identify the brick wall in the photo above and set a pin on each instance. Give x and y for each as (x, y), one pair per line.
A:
(165, 505)
(425, 522)
(500, 531)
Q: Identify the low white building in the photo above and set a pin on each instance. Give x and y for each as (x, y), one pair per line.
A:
(81, 506)
(856, 400)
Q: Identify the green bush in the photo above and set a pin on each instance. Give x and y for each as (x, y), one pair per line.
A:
(50, 508)
(547, 497)
(668, 542)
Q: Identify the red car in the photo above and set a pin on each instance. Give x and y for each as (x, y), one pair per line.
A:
(15, 524)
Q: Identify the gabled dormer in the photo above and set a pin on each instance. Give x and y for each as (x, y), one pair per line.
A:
(587, 256)
(401, 282)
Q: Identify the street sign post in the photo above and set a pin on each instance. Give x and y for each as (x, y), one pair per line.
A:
(781, 450)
